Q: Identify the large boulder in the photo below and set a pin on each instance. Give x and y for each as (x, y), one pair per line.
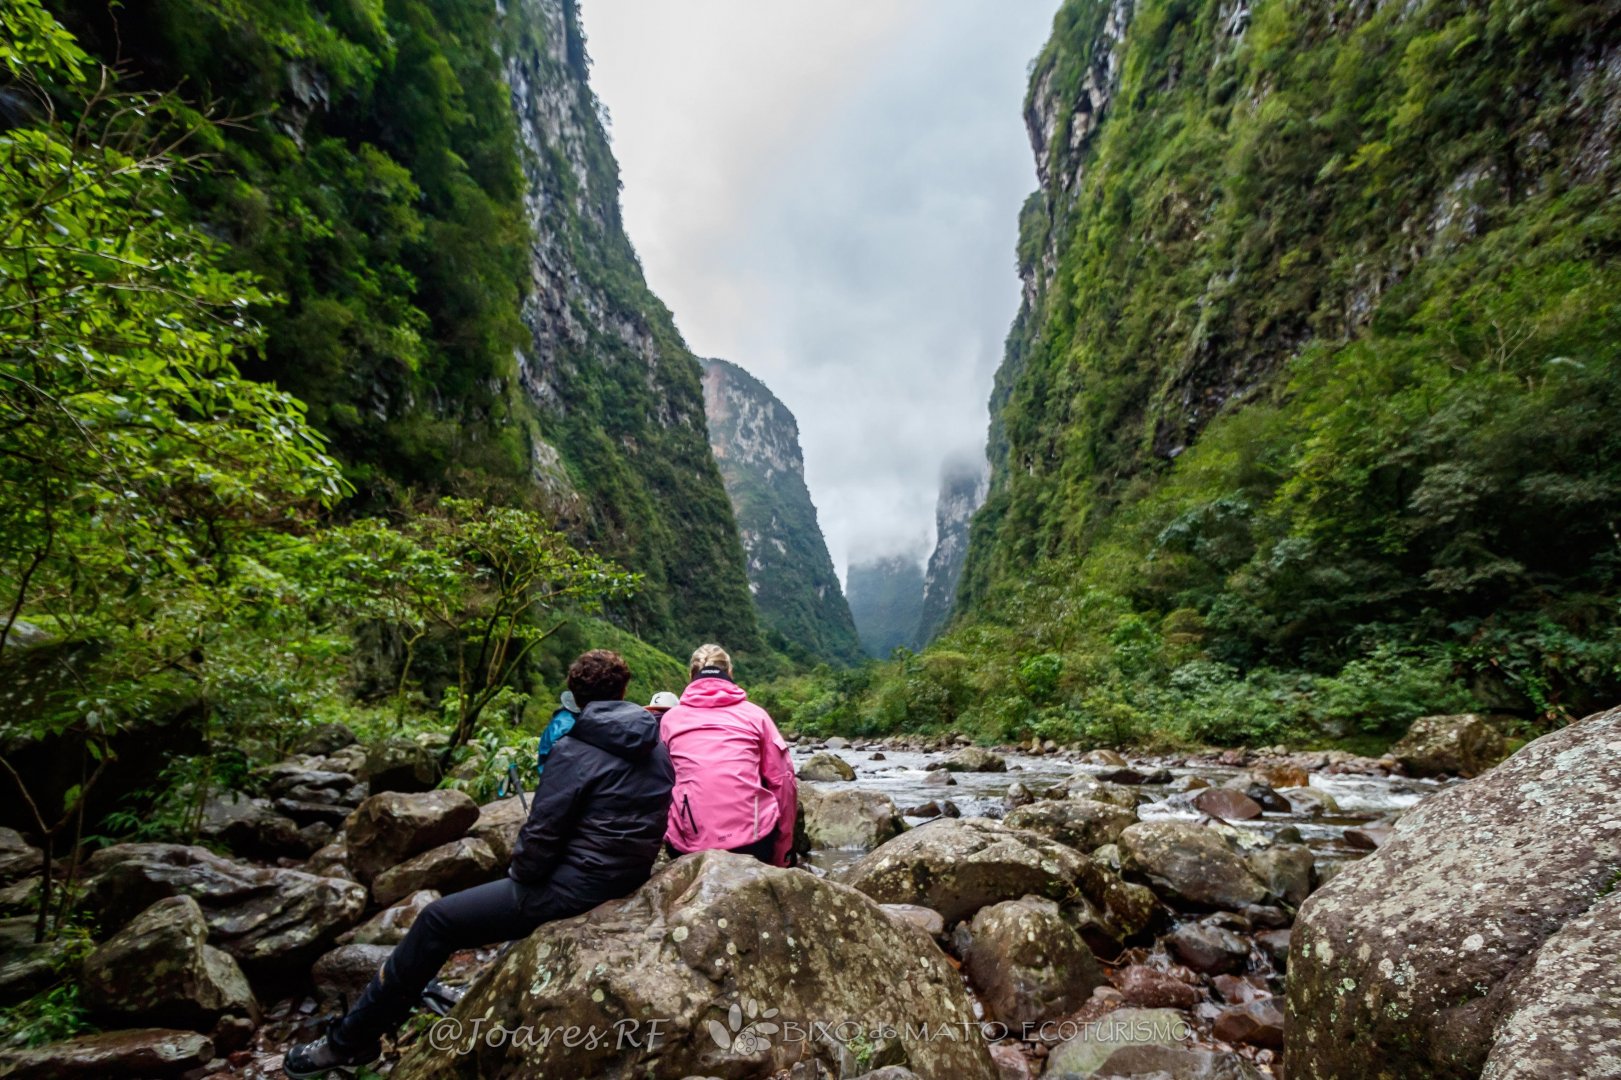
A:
(1083, 785)
(973, 759)
(1083, 824)
(1285, 869)
(498, 825)
(269, 919)
(1190, 865)
(1088, 1053)
(389, 926)
(827, 768)
(1482, 900)
(1208, 949)
(1563, 1016)
(958, 865)
(448, 868)
(846, 818)
(160, 971)
(341, 975)
(1226, 803)
(26, 966)
(400, 764)
(389, 828)
(311, 780)
(142, 1054)
(251, 827)
(743, 960)
(1258, 1023)
(1027, 964)
(1465, 745)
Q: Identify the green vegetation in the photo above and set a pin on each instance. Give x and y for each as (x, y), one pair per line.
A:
(369, 173)
(1308, 431)
(886, 601)
(183, 578)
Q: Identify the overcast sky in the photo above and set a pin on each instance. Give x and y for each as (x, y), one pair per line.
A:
(826, 192)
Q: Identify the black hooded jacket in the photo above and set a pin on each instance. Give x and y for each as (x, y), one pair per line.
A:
(599, 812)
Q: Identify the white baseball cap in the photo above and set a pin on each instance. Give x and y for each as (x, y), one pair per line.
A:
(664, 700)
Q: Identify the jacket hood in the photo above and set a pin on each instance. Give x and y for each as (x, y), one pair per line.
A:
(622, 728)
(712, 694)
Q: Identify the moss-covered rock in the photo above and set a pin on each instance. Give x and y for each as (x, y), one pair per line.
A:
(159, 970)
(738, 958)
(1463, 938)
(958, 865)
(1462, 745)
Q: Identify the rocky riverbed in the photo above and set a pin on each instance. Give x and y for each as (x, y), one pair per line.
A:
(961, 912)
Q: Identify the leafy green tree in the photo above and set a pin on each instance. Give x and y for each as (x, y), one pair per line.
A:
(140, 472)
(487, 577)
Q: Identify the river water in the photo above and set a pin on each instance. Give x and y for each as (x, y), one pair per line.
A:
(903, 775)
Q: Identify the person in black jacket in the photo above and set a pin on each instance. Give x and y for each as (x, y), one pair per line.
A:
(595, 825)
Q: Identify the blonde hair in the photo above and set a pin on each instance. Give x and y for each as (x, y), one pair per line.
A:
(709, 656)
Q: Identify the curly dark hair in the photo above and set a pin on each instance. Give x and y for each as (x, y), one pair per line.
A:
(598, 675)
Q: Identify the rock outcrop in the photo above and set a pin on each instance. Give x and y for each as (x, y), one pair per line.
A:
(962, 491)
(739, 958)
(615, 430)
(796, 590)
(886, 601)
(271, 920)
(1463, 939)
(159, 970)
(846, 818)
(1463, 745)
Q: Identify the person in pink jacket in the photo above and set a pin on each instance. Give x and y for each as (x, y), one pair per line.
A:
(734, 783)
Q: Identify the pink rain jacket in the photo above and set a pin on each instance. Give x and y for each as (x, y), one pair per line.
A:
(734, 782)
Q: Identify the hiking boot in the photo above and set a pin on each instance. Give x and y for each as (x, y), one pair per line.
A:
(323, 1056)
(439, 999)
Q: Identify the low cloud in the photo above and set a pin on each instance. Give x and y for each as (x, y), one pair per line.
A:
(827, 194)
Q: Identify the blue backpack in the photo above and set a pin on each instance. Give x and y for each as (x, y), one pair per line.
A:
(562, 723)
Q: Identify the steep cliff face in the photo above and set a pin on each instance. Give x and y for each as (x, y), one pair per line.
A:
(886, 600)
(796, 591)
(428, 187)
(619, 433)
(1289, 274)
(962, 492)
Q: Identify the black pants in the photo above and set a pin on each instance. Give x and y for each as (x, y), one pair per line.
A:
(500, 911)
(761, 849)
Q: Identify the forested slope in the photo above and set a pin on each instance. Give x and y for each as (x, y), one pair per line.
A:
(428, 189)
(1305, 424)
(1320, 335)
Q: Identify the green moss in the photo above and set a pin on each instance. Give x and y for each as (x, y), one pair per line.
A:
(1322, 364)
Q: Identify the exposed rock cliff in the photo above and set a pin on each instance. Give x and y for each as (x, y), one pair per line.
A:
(430, 190)
(619, 435)
(796, 591)
(1309, 297)
(962, 491)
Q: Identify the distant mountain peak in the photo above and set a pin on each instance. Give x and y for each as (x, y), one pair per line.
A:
(755, 440)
